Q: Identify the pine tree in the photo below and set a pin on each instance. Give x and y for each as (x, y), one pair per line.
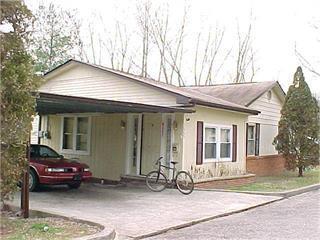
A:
(298, 133)
(17, 102)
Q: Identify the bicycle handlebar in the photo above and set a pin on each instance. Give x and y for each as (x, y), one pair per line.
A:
(158, 161)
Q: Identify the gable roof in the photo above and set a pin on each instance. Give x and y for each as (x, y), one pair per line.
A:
(241, 93)
(188, 97)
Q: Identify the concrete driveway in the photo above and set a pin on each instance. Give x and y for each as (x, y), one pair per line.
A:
(137, 212)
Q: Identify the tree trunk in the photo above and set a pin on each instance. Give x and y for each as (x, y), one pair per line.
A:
(300, 172)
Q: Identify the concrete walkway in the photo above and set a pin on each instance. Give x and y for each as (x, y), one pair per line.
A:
(137, 212)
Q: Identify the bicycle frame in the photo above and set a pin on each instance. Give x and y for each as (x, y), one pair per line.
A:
(185, 184)
(160, 166)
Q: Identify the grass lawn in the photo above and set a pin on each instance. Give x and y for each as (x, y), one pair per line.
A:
(14, 228)
(286, 181)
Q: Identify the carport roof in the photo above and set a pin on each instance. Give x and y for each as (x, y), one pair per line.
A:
(48, 103)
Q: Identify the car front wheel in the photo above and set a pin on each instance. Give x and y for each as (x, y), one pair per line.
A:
(33, 180)
(75, 185)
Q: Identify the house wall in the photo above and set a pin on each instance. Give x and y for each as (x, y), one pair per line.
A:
(108, 139)
(215, 169)
(35, 130)
(268, 119)
(84, 81)
(266, 165)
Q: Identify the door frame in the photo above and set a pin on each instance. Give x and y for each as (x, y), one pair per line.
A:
(163, 142)
(130, 122)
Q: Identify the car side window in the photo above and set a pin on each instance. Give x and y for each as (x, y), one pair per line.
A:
(34, 152)
(47, 152)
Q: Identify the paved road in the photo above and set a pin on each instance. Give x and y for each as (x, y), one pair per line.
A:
(294, 218)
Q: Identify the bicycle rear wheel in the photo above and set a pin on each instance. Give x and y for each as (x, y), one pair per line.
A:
(156, 181)
(184, 182)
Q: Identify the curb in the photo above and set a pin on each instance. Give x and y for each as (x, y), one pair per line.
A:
(104, 234)
(284, 194)
(201, 220)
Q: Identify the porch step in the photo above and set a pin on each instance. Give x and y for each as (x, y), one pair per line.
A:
(130, 180)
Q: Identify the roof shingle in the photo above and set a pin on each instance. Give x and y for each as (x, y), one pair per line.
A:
(242, 93)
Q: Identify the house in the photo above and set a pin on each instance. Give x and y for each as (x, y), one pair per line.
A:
(119, 123)
(267, 98)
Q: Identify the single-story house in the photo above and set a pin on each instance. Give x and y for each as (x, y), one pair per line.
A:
(120, 124)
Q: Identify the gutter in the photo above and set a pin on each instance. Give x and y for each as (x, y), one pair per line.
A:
(216, 105)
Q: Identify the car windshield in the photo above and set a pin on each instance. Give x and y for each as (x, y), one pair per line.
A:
(38, 151)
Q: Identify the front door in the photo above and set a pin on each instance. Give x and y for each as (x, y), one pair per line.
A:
(134, 144)
(167, 136)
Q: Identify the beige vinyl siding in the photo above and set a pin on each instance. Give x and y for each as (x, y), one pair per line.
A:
(108, 139)
(34, 130)
(270, 110)
(268, 119)
(213, 169)
(52, 124)
(178, 139)
(85, 81)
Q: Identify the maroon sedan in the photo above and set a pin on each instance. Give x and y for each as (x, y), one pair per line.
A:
(48, 167)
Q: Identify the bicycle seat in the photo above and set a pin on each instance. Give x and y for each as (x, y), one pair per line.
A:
(174, 163)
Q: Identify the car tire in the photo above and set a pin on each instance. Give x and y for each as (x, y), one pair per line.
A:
(33, 180)
(75, 185)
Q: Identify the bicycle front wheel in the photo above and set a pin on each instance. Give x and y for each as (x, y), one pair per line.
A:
(156, 181)
(184, 182)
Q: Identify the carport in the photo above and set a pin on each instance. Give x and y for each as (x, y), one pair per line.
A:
(48, 103)
(121, 138)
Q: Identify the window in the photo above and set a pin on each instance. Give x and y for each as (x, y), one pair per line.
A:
(251, 140)
(225, 143)
(210, 143)
(217, 143)
(82, 134)
(76, 135)
(68, 125)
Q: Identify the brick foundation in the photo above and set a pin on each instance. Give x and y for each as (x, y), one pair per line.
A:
(224, 183)
(265, 165)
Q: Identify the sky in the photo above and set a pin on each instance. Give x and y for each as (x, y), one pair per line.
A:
(278, 26)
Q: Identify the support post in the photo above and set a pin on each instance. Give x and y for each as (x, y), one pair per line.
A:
(25, 186)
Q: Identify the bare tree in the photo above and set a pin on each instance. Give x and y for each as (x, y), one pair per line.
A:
(144, 25)
(159, 32)
(166, 40)
(169, 49)
(305, 63)
(303, 60)
(206, 57)
(245, 64)
(91, 33)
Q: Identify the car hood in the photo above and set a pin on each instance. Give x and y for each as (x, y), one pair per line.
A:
(54, 162)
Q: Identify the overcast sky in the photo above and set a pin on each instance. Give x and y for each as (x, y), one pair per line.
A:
(277, 27)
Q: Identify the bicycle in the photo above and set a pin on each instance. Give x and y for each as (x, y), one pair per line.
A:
(157, 181)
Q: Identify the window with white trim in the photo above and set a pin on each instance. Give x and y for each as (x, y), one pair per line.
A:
(210, 145)
(217, 143)
(76, 134)
(225, 143)
(251, 140)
